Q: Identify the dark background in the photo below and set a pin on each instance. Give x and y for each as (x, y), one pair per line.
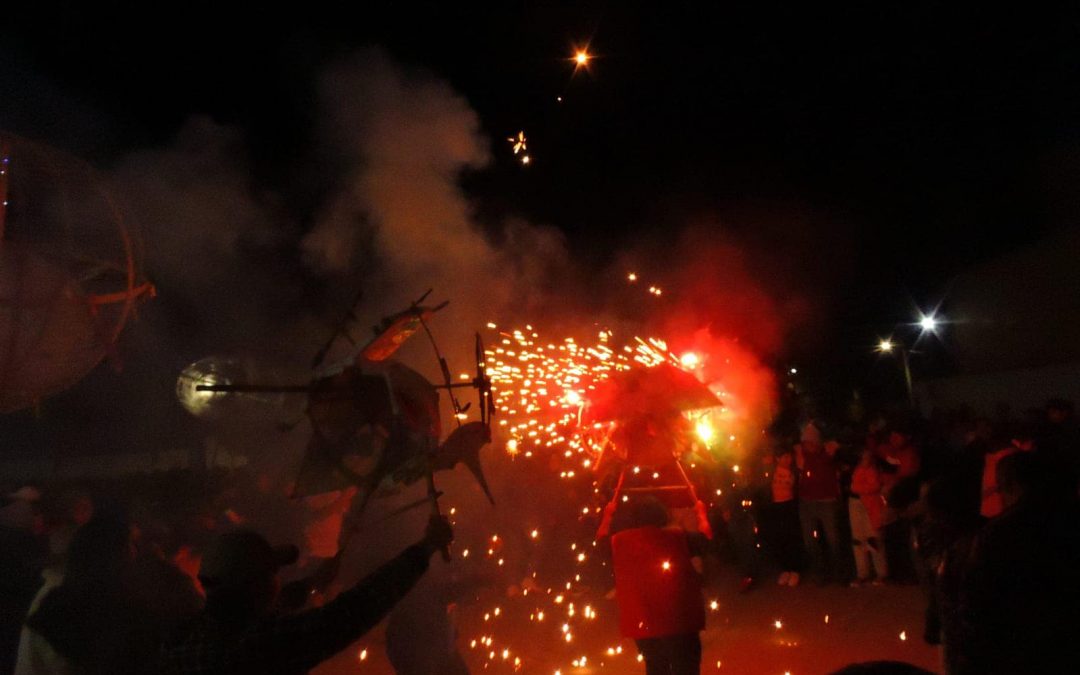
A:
(900, 142)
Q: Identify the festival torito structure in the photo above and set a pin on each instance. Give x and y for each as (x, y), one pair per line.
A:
(70, 272)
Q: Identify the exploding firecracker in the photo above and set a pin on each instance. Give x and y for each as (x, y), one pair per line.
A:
(519, 142)
(544, 391)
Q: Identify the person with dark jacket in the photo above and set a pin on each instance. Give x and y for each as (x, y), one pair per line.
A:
(945, 537)
(238, 634)
(94, 620)
(1020, 596)
(782, 531)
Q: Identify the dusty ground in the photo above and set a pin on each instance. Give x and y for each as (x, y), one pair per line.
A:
(742, 636)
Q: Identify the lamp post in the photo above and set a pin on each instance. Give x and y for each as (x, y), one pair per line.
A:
(927, 323)
(888, 346)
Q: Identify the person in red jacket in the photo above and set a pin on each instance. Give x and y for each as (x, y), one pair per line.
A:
(819, 501)
(657, 587)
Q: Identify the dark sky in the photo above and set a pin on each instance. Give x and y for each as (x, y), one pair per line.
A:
(914, 139)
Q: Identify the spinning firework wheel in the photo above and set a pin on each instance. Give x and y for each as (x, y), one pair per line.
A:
(69, 272)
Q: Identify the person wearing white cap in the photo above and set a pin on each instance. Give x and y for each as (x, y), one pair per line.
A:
(819, 501)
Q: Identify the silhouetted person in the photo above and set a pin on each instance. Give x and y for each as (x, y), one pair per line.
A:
(1058, 440)
(881, 668)
(23, 554)
(657, 588)
(237, 632)
(946, 537)
(91, 622)
(1020, 597)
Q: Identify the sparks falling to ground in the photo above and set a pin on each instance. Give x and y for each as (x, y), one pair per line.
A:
(547, 605)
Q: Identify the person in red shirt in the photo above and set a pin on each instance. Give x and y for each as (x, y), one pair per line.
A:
(657, 587)
(819, 501)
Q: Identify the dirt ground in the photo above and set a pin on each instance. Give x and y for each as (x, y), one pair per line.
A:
(819, 630)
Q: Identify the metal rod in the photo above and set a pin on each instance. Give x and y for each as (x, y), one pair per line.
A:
(256, 388)
(907, 375)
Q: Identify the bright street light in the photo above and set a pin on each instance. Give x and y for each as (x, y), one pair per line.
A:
(887, 346)
(928, 323)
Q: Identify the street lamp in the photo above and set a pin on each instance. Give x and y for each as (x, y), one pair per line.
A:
(888, 346)
(928, 323)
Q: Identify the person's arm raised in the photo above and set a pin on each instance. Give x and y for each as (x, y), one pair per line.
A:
(302, 641)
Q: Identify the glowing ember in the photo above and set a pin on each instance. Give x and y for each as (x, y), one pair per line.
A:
(705, 432)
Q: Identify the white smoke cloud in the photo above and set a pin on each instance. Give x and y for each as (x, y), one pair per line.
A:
(407, 138)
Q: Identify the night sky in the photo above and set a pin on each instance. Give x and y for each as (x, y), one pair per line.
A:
(898, 144)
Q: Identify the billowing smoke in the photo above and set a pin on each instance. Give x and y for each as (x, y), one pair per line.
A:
(207, 232)
(404, 139)
(737, 301)
(404, 142)
(239, 271)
